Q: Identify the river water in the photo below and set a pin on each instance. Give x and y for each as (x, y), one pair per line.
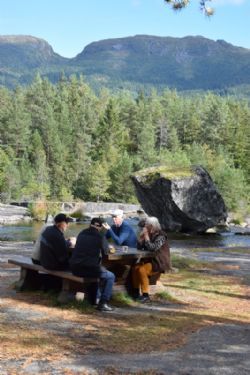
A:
(236, 237)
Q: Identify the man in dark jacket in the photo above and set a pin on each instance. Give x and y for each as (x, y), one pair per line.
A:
(86, 261)
(54, 252)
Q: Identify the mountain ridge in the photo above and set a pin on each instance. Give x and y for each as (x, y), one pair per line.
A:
(187, 63)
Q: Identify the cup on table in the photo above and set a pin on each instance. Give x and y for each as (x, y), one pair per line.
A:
(111, 249)
(72, 242)
(125, 249)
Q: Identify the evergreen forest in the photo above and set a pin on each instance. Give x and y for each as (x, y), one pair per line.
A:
(65, 142)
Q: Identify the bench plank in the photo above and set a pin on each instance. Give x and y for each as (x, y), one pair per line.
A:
(32, 276)
(27, 264)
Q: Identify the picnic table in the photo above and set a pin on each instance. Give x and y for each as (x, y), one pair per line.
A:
(33, 276)
(122, 259)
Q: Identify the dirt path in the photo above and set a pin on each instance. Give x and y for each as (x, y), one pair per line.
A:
(222, 348)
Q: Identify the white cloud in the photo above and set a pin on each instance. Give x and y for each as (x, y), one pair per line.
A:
(228, 2)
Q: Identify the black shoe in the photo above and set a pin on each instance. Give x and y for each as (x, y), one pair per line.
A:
(104, 307)
(143, 299)
(135, 294)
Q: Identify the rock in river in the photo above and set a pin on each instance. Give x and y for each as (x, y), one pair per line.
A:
(183, 199)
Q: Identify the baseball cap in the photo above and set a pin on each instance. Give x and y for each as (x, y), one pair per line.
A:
(117, 212)
(96, 221)
(61, 217)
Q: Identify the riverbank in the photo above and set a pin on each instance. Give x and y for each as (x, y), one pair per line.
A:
(10, 214)
(18, 214)
(13, 214)
(204, 329)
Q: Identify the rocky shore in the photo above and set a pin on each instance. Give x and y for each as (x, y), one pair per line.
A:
(12, 214)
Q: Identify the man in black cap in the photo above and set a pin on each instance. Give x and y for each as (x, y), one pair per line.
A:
(86, 261)
(54, 251)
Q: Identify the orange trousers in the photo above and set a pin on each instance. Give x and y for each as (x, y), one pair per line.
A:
(140, 276)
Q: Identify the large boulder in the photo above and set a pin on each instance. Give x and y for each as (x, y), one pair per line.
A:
(184, 200)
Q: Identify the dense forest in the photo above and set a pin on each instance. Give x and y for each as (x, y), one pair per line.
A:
(62, 141)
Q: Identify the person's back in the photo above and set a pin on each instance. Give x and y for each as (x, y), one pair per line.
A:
(54, 254)
(87, 254)
(86, 261)
(36, 253)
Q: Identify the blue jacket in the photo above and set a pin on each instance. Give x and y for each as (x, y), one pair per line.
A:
(122, 235)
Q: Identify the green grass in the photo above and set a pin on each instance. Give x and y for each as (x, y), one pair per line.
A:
(51, 298)
(122, 299)
(166, 296)
(187, 263)
(82, 306)
(149, 175)
(231, 250)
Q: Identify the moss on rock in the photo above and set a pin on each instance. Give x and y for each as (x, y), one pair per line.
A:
(149, 175)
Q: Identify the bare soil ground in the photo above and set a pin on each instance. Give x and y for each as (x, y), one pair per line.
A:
(203, 329)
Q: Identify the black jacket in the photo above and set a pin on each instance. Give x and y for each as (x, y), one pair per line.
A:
(87, 255)
(54, 254)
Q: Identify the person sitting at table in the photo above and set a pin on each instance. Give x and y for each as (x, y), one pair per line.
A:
(121, 232)
(151, 238)
(54, 249)
(36, 253)
(86, 261)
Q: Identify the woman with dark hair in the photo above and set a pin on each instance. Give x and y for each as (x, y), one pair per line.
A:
(151, 238)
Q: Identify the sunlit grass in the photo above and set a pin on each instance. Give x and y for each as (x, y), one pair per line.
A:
(232, 250)
(166, 296)
(182, 262)
(122, 299)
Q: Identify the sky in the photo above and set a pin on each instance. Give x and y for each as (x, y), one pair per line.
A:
(69, 25)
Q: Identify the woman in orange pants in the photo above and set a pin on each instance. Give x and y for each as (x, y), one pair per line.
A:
(151, 238)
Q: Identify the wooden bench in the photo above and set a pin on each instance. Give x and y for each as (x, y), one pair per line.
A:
(34, 276)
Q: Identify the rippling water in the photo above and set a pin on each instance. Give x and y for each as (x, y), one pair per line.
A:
(29, 232)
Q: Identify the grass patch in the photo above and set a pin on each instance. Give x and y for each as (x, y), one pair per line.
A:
(149, 175)
(187, 263)
(227, 250)
(82, 306)
(204, 284)
(166, 296)
(122, 299)
(50, 299)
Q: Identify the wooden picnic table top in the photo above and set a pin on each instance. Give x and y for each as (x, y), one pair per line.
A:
(129, 253)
